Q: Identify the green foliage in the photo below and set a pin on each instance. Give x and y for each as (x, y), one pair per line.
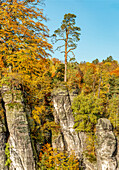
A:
(74, 75)
(114, 85)
(109, 59)
(90, 78)
(89, 151)
(68, 33)
(87, 109)
(91, 157)
(68, 24)
(7, 153)
(14, 105)
(113, 111)
(96, 61)
(23, 62)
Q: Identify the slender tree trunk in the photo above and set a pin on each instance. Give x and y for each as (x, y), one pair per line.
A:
(65, 73)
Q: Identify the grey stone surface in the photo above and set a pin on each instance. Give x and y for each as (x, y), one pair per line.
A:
(67, 139)
(106, 145)
(21, 153)
(15, 123)
(89, 165)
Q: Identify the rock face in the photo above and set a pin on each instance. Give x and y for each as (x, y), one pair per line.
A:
(14, 129)
(3, 137)
(117, 155)
(106, 146)
(67, 139)
(21, 153)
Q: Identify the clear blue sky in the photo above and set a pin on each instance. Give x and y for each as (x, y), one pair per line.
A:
(99, 23)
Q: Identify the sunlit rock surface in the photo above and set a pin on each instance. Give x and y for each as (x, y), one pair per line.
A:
(21, 153)
(67, 139)
(14, 129)
(106, 146)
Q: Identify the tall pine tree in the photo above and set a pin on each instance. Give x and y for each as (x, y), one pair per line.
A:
(69, 34)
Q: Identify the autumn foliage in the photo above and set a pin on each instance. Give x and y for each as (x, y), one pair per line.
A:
(24, 54)
(53, 159)
(23, 35)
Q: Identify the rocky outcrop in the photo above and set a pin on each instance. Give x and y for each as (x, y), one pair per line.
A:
(14, 129)
(67, 139)
(105, 146)
(21, 153)
(117, 154)
(3, 136)
(89, 165)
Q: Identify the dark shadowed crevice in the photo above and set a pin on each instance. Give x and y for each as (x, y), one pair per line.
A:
(116, 150)
(5, 120)
(64, 141)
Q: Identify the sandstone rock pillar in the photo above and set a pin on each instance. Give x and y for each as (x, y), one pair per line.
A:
(67, 139)
(21, 153)
(105, 145)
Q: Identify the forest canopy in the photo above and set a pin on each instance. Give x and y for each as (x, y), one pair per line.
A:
(25, 55)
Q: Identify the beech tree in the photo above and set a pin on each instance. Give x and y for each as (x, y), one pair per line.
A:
(24, 47)
(24, 42)
(69, 34)
(22, 33)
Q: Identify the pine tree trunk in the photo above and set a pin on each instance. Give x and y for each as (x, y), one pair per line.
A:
(65, 73)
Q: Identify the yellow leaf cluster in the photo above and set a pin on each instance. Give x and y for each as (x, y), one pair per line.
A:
(51, 158)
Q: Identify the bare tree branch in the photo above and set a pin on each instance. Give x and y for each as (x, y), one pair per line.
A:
(70, 50)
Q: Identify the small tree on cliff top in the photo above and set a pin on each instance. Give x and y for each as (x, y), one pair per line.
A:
(68, 33)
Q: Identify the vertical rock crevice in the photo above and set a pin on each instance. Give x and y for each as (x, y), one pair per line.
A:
(4, 134)
(67, 139)
(5, 119)
(117, 154)
(14, 129)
